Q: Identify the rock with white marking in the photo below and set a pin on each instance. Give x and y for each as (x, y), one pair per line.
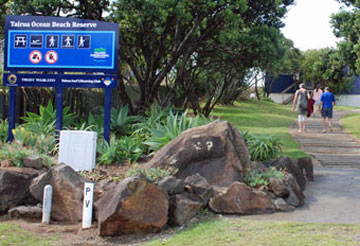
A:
(216, 151)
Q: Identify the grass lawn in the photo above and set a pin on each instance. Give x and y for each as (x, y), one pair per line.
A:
(234, 231)
(13, 235)
(263, 117)
(351, 124)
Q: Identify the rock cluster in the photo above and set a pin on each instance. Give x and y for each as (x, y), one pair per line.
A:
(210, 163)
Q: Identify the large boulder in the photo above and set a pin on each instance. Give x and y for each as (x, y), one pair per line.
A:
(68, 187)
(33, 161)
(25, 212)
(134, 205)
(172, 185)
(305, 166)
(216, 151)
(290, 166)
(278, 187)
(241, 199)
(295, 197)
(200, 187)
(282, 206)
(14, 187)
(183, 207)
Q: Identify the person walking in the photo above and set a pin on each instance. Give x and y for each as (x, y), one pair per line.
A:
(327, 102)
(317, 94)
(301, 104)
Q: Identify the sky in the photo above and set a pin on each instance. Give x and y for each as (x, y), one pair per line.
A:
(308, 24)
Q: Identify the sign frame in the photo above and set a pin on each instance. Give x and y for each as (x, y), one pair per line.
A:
(59, 75)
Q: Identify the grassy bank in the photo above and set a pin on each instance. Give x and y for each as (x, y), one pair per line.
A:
(351, 124)
(13, 235)
(233, 231)
(263, 117)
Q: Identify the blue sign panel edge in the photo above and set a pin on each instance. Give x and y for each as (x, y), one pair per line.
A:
(60, 80)
(101, 26)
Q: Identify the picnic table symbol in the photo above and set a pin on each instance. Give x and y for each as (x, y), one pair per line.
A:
(20, 41)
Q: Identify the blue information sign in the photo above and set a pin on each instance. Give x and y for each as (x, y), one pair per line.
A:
(57, 46)
(60, 44)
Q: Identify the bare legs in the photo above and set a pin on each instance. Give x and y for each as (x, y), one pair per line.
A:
(324, 124)
(302, 123)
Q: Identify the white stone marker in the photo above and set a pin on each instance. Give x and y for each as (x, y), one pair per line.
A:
(88, 204)
(47, 203)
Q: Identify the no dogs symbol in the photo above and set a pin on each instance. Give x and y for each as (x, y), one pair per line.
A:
(51, 57)
(35, 56)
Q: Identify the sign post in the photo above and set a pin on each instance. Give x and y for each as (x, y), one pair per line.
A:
(74, 53)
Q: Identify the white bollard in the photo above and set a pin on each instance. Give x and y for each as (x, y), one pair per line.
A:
(47, 202)
(88, 204)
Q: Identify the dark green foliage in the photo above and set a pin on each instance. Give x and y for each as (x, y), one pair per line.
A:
(163, 133)
(119, 150)
(154, 175)
(262, 147)
(121, 121)
(326, 67)
(4, 126)
(255, 178)
(45, 121)
(15, 152)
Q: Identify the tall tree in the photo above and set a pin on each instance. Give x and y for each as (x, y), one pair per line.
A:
(88, 9)
(346, 26)
(157, 36)
(327, 67)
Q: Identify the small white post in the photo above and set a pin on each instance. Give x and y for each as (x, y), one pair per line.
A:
(88, 204)
(47, 203)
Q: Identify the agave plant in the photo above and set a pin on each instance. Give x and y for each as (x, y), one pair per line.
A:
(121, 122)
(45, 121)
(174, 125)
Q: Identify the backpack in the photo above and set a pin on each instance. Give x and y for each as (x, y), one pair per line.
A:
(303, 101)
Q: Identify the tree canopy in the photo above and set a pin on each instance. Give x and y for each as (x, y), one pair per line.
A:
(195, 51)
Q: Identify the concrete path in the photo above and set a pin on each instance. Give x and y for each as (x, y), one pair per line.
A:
(334, 196)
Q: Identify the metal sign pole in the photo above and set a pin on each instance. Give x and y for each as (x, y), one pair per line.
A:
(107, 113)
(59, 109)
(12, 112)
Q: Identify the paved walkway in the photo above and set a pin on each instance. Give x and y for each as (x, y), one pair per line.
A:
(334, 196)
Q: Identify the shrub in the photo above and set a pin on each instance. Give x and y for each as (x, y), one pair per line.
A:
(154, 175)
(121, 122)
(262, 147)
(15, 153)
(43, 144)
(153, 116)
(4, 126)
(93, 123)
(45, 121)
(174, 125)
(255, 178)
(126, 148)
(108, 152)
(268, 99)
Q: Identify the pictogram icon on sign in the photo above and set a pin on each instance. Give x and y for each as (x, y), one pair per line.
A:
(35, 56)
(51, 57)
